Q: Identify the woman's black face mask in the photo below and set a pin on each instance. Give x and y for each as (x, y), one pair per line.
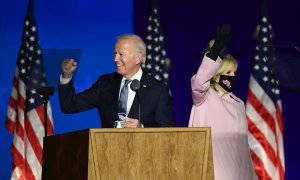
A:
(227, 82)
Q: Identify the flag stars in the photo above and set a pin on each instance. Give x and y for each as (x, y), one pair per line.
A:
(264, 29)
(26, 22)
(265, 68)
(149, 47)
(155, 55)
(22, 61)
(166, 75)
(33, 29)
(157, 68)
(272, 81)
(256, 57)
(265, 49)
(265, 78)
(256, 67)
(264, 39)
(31, 100)
(31, 48)
(264, 19)
(37, 61)
(273, 90)
(31, 38)
(156, 58)
(157, 77)
(38, 52)
(23, 71)
(270, 26)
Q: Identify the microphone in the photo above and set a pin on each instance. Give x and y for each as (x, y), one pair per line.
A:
(135, 86)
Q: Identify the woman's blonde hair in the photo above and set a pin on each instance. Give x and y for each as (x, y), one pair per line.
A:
(227, 61)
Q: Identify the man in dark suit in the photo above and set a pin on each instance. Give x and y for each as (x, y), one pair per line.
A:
(105, 93)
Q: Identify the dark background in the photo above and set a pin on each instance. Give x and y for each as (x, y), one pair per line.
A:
(92, 26)
(189, 25)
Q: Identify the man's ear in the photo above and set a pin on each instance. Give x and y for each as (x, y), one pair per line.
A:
(139, 58)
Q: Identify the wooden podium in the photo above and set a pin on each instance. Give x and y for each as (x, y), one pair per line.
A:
(129, 154)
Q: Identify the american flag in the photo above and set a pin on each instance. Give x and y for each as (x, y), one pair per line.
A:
(156, 60)
(264, 110)
(25, 117)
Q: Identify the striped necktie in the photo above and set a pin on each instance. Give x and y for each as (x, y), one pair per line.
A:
(124, 97)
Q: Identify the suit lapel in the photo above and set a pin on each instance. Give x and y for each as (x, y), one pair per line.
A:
(115, 88)
(134, 110)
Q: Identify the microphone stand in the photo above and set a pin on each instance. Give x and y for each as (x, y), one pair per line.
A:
(45, 92)
(138, 99)
(135, 86)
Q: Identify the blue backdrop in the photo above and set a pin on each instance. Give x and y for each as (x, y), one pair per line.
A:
(89, 26)
(92, 26)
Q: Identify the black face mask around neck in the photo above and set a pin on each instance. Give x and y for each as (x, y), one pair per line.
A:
(227, 82)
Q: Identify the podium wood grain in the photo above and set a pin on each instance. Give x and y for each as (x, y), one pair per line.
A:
(129, 154)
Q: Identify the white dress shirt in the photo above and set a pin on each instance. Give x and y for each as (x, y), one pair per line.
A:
(131, 93)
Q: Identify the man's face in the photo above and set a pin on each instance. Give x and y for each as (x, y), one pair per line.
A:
(126, 58)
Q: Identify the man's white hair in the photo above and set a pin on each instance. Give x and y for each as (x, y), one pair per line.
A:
(139, 44)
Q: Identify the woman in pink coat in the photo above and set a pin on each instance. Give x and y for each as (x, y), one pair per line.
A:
(215, 106)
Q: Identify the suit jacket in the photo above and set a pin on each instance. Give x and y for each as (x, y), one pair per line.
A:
(154, 97)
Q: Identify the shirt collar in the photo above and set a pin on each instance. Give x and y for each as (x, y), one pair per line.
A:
(137, 76)
(229, 96)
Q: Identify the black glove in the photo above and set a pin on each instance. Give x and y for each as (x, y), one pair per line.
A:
(222, 38)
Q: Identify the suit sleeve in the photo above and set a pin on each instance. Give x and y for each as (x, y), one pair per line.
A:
(164, 113)
(70, 102)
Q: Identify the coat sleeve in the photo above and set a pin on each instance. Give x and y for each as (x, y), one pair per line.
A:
(70, 102)
(200, 82)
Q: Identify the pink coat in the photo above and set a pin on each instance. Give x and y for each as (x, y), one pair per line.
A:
(225, 114)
